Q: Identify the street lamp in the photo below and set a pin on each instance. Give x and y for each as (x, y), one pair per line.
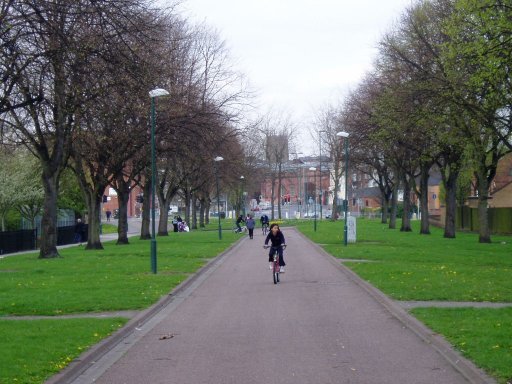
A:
(157, 92)
(314, 194)
(217, 159)
(242, 180)
(345, 201)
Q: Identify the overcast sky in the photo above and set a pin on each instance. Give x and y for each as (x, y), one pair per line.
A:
(300, 55)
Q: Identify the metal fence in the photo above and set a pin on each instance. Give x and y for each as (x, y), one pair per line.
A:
(16, 241)
(27, 239)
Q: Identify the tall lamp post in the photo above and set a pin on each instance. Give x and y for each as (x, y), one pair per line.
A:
(157, 92)
(217, 159)
(242, 200)
(345, 201)
(314, 194)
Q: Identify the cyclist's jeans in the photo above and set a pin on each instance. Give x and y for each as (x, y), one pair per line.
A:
(281, 254)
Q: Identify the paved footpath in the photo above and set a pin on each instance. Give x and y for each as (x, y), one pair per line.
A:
(321, 324)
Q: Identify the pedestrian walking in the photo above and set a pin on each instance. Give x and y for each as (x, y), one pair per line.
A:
(79, 231)
(175, 223)
(250, 224)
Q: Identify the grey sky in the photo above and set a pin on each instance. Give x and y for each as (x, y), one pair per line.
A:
(300, 55)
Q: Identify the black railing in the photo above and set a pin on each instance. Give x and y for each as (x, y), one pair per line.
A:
(26, 239)
(16, 241)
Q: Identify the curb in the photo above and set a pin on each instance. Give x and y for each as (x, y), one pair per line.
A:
(467, 368)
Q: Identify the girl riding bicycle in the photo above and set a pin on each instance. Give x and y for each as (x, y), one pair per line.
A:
(276, 237)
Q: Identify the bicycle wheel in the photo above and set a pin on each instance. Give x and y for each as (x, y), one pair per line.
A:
(276, 268)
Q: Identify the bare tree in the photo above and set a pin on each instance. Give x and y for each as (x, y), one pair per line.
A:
(55, 44)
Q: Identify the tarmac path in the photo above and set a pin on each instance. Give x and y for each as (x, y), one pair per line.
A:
(319, 325)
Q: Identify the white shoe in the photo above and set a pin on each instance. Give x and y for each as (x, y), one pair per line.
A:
(281, 269)
(270, 266)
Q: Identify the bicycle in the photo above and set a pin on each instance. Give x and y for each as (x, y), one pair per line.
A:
(243, 229)
(275, 263)
(264, 229)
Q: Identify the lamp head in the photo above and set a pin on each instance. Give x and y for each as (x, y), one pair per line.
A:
(157, 92)
(218, 158)
(342, 134)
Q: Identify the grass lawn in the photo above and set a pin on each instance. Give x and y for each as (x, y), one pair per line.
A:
(116, 278)
(34, 350)
(409, 266)
(405, 266)
(482, 335)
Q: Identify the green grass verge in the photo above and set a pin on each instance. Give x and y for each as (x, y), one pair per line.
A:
(116, 278)
(410, 266)
(34, 350)
(482, 335)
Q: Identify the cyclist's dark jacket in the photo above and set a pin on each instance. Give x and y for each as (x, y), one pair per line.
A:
(275, 240)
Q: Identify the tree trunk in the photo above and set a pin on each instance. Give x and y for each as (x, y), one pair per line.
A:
(450, 185)
(145, 233)
(123, 195)
(94, 208)
(279, 186)
(272, 196)
(163, 220)
(334, 215)
(384, 213)
(483, 219)
(188, 199)
(385, 197)
(193, 223)
(394, 205)
(48, 248)
(425, 225)
(406, 221)
(202, 211)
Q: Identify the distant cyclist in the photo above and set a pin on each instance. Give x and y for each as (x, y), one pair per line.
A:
(276, 237)
(238, 222)
(264, 222)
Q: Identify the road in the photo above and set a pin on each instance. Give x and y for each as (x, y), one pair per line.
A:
(235, 326)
